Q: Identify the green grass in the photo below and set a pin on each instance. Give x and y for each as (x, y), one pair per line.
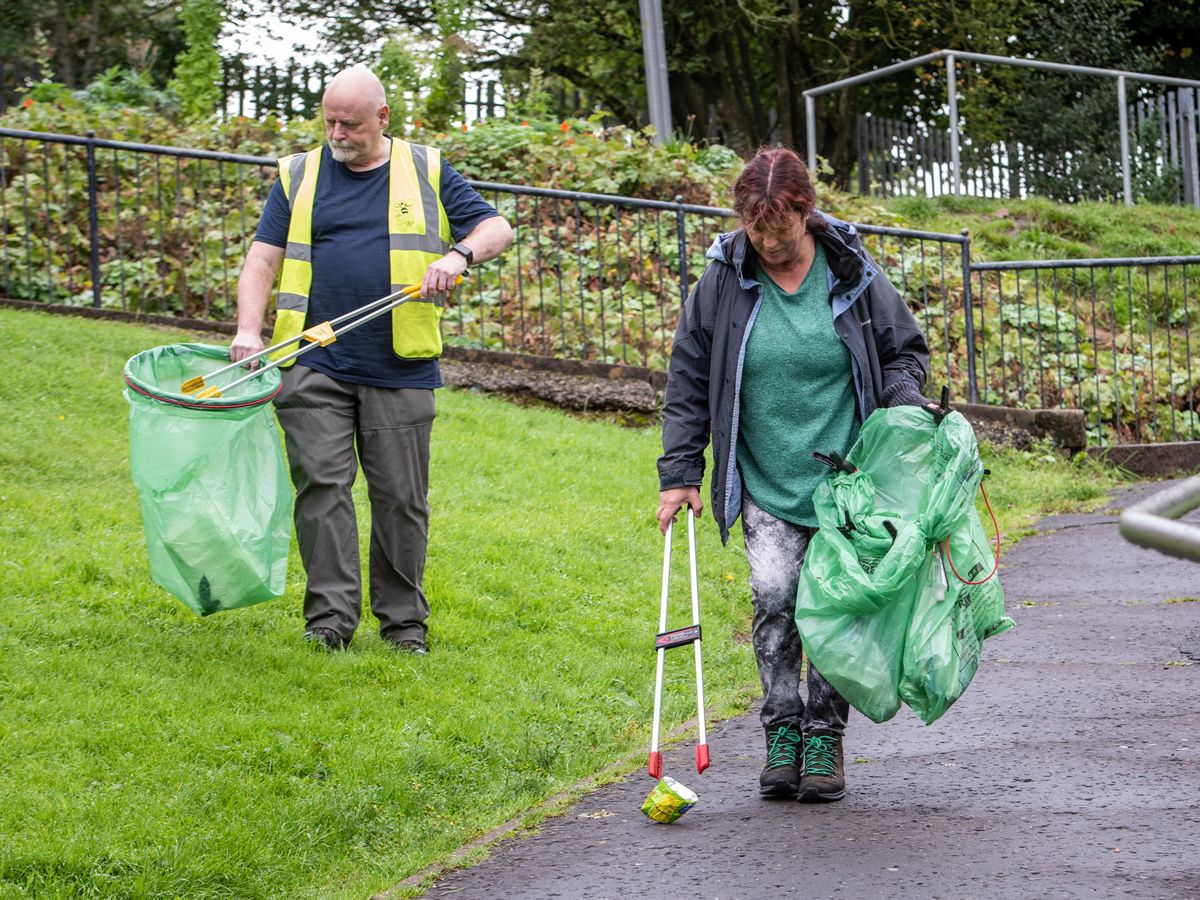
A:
(146, 752)
(1026, 485)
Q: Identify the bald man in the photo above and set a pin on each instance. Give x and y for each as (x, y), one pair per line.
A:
(347, 223)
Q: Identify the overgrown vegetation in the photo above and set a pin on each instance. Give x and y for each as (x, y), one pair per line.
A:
(599, 282)
(147, 752)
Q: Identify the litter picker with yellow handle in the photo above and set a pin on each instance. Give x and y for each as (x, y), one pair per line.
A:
(203, 388)
(206, 458)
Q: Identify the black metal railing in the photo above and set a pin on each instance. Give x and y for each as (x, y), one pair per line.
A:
(150, 229)
(166, 226)
(1114, 337)
(591, 276)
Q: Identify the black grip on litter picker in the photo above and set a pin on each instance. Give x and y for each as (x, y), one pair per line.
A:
(942, 409)
(841, 463)
(834, 461)
(848, 527)
(678, 638)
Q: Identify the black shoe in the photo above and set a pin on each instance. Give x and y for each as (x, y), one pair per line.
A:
(823, 776)
(409, 645)
(326, 638)
(780, 777)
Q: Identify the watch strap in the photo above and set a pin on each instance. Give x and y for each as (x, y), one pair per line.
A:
(464, 251)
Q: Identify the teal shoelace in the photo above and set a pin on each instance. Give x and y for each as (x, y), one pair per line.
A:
(782, 749)
(820, 755)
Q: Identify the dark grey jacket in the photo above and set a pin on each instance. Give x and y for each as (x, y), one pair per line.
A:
(888, 355)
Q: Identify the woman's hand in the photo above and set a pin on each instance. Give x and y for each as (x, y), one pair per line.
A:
(672, 500)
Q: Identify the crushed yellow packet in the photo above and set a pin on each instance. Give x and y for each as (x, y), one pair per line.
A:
(668, 801)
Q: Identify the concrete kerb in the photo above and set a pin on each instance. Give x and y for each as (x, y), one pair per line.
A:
(569, 384)
(1152, 460)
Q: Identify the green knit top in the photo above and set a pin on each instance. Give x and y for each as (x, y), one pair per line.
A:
(797, 396)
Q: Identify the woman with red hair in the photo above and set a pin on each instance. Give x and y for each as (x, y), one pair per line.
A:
(791, 338)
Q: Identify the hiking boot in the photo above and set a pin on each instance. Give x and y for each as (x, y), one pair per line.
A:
(822, 775)
(326, 638)
(409, 645)
(781, 776)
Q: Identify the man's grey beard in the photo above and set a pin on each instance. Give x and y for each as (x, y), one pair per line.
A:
(343, 154)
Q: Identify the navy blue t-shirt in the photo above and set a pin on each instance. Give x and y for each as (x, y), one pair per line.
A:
(351, 268)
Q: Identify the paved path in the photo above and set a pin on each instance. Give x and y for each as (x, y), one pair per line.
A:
(1071, 768)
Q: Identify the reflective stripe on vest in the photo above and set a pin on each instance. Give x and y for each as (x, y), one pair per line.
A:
(418, 235)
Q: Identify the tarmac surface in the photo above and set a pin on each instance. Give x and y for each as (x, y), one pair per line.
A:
(1070, 768)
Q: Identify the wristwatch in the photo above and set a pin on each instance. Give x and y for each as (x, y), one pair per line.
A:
(467, 253)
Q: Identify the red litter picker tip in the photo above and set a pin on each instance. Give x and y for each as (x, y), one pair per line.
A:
(680, 637)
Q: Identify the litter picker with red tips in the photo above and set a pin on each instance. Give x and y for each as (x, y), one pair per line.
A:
(678, 638)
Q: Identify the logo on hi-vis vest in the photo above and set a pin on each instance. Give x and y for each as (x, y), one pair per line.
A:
(403, 211)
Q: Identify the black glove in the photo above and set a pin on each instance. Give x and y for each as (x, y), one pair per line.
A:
(904, 393)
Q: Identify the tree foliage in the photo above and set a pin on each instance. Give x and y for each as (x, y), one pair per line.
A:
(198, 68)
(82, 38)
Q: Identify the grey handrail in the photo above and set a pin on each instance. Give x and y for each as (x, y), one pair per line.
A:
(1151, 523)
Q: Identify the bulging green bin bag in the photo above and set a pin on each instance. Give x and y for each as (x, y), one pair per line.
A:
(215, 495)
(868, 607)
(947, 630)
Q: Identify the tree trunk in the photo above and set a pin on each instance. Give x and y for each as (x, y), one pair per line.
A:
(60, 46)
(89, 59)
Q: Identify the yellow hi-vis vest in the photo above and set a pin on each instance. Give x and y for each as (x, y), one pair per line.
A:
(418, 232)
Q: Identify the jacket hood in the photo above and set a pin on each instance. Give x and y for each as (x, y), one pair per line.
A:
(843, 250)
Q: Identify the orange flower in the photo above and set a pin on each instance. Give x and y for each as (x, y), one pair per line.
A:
(28, 103)
(464, 127)
(569, 141)
(565, 126)
(524, 123)
(416, 123)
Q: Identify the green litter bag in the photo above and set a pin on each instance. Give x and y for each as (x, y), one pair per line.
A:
(950, 621)
(876, 616)
(215, 495)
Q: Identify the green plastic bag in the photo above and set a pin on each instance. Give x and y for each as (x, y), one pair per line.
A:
(873, 610)
(947, 630)
(215, 495)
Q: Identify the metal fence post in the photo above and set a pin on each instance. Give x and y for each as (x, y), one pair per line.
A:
(810, 128)
(1123, 120)
(952, 91)
(93, 218)
(1191, 162)
(681, 235)
(969, 318)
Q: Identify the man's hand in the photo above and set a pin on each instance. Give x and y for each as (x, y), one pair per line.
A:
(253, 292)
(441, 275)
(245, 343)
(487, 240)
(672, 500)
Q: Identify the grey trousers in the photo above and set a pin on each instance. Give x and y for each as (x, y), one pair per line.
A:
(775, 549)
(325, 422)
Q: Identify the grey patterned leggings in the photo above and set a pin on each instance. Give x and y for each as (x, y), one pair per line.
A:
(775, 549)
